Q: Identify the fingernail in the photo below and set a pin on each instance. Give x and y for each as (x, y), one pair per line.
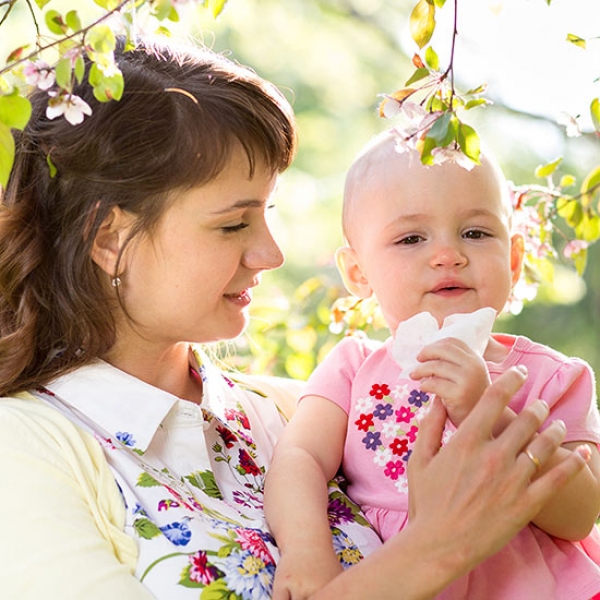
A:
(584, 451)
(540, 408)
(560, 423)
(522, 369)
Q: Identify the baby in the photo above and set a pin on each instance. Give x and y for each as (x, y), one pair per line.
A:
(430, 242)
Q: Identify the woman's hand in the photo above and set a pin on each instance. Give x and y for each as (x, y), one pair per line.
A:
(475, 493)
(467, 499)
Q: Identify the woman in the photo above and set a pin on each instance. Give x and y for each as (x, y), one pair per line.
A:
(132, 467)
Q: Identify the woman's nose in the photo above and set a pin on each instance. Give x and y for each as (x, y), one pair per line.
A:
(265, 254)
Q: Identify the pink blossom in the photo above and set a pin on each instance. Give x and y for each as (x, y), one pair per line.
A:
(574, 247)
(39, 74)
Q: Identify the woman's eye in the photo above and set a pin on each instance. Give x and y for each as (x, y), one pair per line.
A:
(475, 234)
(234, 228)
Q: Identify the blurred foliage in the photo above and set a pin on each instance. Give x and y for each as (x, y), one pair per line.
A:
(333, 59)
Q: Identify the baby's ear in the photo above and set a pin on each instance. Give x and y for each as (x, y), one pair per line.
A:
(517, 255)
(109, 240)
(352, 275)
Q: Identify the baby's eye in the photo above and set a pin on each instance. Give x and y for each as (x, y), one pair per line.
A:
(410, 239)
(234, 228)
(475, 234)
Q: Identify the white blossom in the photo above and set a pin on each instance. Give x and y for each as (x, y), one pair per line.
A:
(72, 107)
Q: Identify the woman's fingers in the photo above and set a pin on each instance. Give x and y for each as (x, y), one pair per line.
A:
(486, 412)
(431, 428)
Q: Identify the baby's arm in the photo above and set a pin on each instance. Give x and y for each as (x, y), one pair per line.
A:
(451, 370)
(571, 513)
(307, 456)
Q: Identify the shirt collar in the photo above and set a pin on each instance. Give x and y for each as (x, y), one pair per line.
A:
(125, 407)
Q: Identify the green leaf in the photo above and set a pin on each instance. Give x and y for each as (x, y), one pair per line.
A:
(422, 22)
(469, 143)
(580, 261)
(576, 40)
(476, 102)
(55, 23)
(161, 9)
(432, 59)
(567, 181)
(595, 112)
(216, 7)
(51, 166)
(418, 75)
(79, 69)
(429, 144)
(547, 169)
(106, 88)
(588, 228)
(441, 131)
(73, 20)
(15, 111)
(7, 154)
(590, 187)
(63, 73)
(570, 210)
(101, 39)
(41, 3)
(107, 4)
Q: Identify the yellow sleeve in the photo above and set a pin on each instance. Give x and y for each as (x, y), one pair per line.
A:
(61, 513)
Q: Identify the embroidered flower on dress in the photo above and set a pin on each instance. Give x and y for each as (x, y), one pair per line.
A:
(399, 447)
(380, 390)
(418, 398)
(364, 404)
(394, 469)
(382, 411)
(364, 422)
(382, 456)
(404, 414)
(372, 440)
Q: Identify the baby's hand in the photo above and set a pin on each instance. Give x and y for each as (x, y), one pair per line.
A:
(302, 572)
(455, 373)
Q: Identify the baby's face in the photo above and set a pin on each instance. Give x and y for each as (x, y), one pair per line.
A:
(431, 238)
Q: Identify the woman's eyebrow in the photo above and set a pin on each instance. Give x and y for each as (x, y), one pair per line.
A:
(240, 204)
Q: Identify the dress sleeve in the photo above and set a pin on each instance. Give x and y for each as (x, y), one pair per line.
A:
(61, 513)
(571, 394)
(333, 378)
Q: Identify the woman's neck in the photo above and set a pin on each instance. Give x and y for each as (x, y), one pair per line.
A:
(167, 368)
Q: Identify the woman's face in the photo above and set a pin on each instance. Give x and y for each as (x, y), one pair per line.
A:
(192, 279)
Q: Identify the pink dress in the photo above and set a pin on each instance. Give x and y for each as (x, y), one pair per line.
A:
(362, 377)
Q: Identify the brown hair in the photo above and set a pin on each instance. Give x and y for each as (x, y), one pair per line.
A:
(182, 112)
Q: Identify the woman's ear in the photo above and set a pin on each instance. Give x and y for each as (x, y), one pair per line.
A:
(352, 275)
(109, 240)
(517, 255)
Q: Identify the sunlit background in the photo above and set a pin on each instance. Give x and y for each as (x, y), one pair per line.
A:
(333, 58)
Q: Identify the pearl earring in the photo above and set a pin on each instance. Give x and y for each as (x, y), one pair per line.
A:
(116, 281)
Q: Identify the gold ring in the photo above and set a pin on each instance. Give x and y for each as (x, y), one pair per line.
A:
(534, 459)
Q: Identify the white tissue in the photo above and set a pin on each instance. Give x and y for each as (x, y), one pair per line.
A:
(412, 335)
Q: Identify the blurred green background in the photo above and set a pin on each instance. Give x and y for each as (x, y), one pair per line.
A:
(332, 59)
